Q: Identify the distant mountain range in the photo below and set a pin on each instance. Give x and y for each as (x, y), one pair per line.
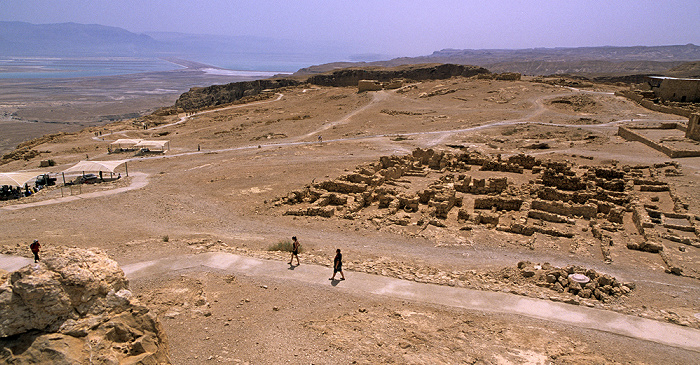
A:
(71, 39)
(21, 39)
(592, 61)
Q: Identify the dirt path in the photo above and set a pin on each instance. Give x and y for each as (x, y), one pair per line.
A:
(440, 135)
(376, 98)
(380, 96)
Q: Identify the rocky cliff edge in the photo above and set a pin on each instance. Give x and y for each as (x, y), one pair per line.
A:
(75, 307)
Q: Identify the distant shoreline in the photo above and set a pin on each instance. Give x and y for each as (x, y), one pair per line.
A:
(33, 107)
(77, 67)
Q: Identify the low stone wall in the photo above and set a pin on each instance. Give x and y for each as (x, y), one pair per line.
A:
(481, 186)
(528, 230)
(337, 186)
(508, 76)
(498, 202)
(549, 217)
(325, 212)
(629, 135)
(368, 85)
(586, 211)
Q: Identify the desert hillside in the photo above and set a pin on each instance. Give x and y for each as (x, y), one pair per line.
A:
(581, 61)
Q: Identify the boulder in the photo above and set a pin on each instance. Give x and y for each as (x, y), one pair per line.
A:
(75, 307)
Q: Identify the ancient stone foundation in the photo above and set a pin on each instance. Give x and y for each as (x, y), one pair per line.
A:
(559, 199)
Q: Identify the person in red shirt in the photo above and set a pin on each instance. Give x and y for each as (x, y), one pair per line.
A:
(35, 246)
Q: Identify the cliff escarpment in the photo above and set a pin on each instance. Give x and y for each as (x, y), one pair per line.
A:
(351, 76)
(204, 97)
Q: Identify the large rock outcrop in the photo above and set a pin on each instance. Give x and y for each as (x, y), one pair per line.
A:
(204, 97)
(75, 307)
(429, 71)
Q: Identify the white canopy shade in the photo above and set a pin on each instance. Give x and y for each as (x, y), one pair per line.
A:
(17, 178)
(152, 144)
(125, 142)
(106, 166)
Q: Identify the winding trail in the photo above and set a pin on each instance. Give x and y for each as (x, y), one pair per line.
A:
(141, 179)
(441, 135)
(360, 283)
(299, 140)
(376, 97)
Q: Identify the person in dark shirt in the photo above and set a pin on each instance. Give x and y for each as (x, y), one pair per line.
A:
(338, 265)
(295, 250)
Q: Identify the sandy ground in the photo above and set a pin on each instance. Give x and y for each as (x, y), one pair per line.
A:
(221, 198)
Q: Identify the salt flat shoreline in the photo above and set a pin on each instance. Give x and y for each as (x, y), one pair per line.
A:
(33, 107)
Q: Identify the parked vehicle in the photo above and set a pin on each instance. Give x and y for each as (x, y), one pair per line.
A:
(87, 179)
(45, 180)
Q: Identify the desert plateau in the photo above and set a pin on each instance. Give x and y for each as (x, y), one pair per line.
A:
(483, 219)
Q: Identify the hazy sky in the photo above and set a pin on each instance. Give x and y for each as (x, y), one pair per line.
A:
(397, 28)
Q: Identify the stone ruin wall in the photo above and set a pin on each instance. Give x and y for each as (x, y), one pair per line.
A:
(561, 193)
(693, 130)
(680, 90)
(629, 134)
(649, 104)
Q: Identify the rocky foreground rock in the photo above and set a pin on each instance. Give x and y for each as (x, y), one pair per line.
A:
(75, 307)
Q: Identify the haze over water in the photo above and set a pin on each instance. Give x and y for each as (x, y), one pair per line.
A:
(55, 67)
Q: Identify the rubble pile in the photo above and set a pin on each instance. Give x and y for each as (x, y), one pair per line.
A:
(576, 280)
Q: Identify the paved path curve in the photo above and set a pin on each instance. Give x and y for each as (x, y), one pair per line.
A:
(361, 283)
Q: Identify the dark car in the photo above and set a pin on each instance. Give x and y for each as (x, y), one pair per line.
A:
(87, 179)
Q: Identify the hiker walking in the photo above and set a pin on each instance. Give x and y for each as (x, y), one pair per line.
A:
(295, 250)
(35, 246)
(338, 265)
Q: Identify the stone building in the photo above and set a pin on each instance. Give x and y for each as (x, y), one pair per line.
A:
(369, 85)
(693, 131)
(675, 89)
